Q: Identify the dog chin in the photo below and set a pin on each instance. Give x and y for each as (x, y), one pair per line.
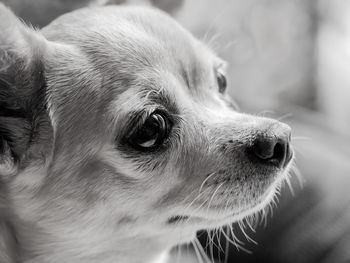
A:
(214, 219)
(256, 207)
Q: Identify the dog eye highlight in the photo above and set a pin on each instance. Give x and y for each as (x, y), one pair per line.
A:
(151, 133)
(222, 81)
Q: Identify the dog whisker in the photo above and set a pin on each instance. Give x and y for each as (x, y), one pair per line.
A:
(201, 255)
(239, 245)
(264, 113)
(247, 220)
(290, 186)
(299, 176)
(201, 250)
(197, 252)
(285, 116)
(206, 179)
(227, 247)
(213, 195)
(242, 227)
(298, 138)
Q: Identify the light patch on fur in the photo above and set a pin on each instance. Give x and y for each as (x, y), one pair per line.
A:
(7, 164)
(52, 115)
(122, 166)
(32, 179)
(163, 258)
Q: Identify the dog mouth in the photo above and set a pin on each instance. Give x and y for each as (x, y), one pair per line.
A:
(177, 219)
(186, 219)
(230, 216)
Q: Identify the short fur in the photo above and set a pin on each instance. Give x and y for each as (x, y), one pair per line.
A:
(72, 190)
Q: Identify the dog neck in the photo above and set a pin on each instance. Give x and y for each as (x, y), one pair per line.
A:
(39, 247)
(42, 241)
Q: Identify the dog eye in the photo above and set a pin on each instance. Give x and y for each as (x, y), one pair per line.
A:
(152, 133)
(222, 82)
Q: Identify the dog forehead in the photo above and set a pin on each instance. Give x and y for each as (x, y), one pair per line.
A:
(127, 40)
(111, 26)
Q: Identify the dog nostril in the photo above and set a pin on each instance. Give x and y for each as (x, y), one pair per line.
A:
(279, 150)
(274, 151)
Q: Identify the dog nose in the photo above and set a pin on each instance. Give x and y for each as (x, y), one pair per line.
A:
(273, 150)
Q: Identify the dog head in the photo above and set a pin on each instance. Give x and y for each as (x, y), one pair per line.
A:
(116, 124)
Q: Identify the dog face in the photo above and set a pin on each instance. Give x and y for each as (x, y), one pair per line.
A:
(127, 131)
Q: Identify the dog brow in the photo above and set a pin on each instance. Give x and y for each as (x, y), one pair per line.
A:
(161, 97)
(194, 71)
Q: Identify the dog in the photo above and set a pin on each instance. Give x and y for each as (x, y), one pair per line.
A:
(119, 139)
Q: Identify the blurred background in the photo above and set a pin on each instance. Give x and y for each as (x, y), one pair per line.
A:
(290, 60)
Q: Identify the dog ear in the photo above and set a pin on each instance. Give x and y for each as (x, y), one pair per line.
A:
(22, 87)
